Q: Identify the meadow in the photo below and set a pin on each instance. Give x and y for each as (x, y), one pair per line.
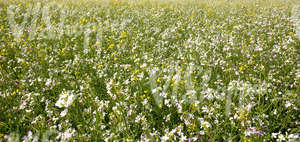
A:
(150, 70)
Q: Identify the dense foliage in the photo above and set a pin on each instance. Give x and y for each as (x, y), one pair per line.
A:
(149, 70)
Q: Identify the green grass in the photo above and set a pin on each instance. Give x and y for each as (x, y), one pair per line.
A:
(149, 70)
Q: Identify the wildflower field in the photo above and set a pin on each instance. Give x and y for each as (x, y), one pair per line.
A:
(150, 70)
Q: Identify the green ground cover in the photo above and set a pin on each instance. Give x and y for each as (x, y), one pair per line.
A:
(149, 70)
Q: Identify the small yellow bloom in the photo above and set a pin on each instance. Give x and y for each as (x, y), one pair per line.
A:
(13, 93)
(77, 73)
(241, 68)
(123, 34)
(132, 57)
(63, 52)
(111, 46)
(158, 79)
(136, 71)
(246, 139)
(2, 124)
(182, 82)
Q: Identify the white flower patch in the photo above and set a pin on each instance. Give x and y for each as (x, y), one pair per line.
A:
(296, 19)
(64, 113)
(66, 99)
(205, 124)
(67, 135)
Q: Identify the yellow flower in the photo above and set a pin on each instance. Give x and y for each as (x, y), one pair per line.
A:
(136, 71)
(2, 124)
(241, 68)
(243, 114)
(247, 139)
(97, 43)
(123, 34)
(77, 73)
(13, 93)
(160, 105)
(158, 79)
(63, 52)
(42, 26)
(111, 46)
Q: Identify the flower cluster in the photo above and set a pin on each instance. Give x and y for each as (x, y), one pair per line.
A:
(149, 70)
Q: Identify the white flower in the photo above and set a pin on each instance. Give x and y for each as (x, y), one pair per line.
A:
(281, 137)
(66, 99)
(293, 137)
(48, 82)
(23, 105)
(154, 91)
(183, 138)
(274, 135)
(64, 113)
(165, 138)
(67, 135)
(205, 124)
(29, 137)
(143, 65)
(288, 104)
